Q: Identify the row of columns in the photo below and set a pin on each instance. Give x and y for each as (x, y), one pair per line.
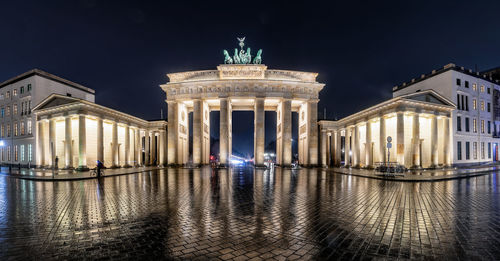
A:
(284, 142)
(114, 146)
(352, 145)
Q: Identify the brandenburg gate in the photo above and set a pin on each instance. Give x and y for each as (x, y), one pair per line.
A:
(242, 85)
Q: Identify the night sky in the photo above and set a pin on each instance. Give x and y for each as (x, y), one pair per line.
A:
(123, 49)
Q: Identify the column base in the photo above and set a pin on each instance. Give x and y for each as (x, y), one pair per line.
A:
(260, 166)
(223, 166)
(114, 167)
(82, 168)
(127, 166)
(68, 168)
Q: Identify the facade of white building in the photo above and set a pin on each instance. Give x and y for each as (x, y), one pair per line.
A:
(18, 96)
(474, 129)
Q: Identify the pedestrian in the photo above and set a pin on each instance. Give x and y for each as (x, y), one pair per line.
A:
(57, 162)
(99, 167)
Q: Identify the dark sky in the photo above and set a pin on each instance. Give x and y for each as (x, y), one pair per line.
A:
(360, 49)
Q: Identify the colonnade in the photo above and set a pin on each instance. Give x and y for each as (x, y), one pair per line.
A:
(79, 140)
(418, 140)
(178, 125)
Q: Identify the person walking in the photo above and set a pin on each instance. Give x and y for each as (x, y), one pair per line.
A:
(99, 167)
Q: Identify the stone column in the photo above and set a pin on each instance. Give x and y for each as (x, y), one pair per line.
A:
(82, 143)
(154, 150)
(434, 142)
(162, 159)
(382, 140)
(287, 132)
(312, 121)
(259, 131)
(52, 142)
(446, 139)
(400, 138)
(147, 149)
(355, 145)
(114, 145)
(40, 145)
(416, 141)
(324, 144)
(127, 146)
(347, 147)
(330, 141)
(68, 155)
(100, 141)
(224, 132)
(197, 131)
(338, 148)
(368, 145)
(138, 147)
(172, 133)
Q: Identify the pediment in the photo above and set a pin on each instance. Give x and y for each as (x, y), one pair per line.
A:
(55, 101)
(430, 97)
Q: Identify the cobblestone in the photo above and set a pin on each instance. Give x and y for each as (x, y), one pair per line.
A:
(243, 214)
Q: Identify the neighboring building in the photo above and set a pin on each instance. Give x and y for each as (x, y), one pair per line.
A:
(475, 124)
(419, 124)
(17, 123)
(79, 132)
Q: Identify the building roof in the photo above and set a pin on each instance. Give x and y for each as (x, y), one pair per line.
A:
(56, 102)
(47, 76)
(448, 67)
(427, 99)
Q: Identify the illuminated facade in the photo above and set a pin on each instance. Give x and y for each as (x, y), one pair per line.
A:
(418, 123)
(475, 123)
(17, 123)
(78, 133)
(242, 87)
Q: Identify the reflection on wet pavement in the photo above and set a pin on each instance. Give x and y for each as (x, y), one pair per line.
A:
(246, 213)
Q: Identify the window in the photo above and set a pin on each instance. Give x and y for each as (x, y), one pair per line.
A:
(459, 105)
(16, 154)
(474, 104)
(22, 152)
(489, 107)
(14, 109)
(482, 150)
(14, 92)
(30, 153)
(467, 150)
(474, 149)
(482, 126)
(29, 87)
(8, 111)
(15, 129)
(3, 112)
(458, 82)
(474, 87)
(3, 154)
(29, 126)
(474, 125)
(1, 96)
(489, 90)
(21, 90)
(489, 150)
(2, 129)
(459, 123)
(68, 94)
(466, 84)
(29, 107)
(482, 105)
(482, 88)
(22, 127)
(459, 150)
(467, 103)
(8, 130)
(22, 108)
(467, 129)
(489, 127)
(8, 95)
(8, 153)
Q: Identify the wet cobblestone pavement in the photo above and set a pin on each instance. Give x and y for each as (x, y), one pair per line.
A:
(242, 214)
